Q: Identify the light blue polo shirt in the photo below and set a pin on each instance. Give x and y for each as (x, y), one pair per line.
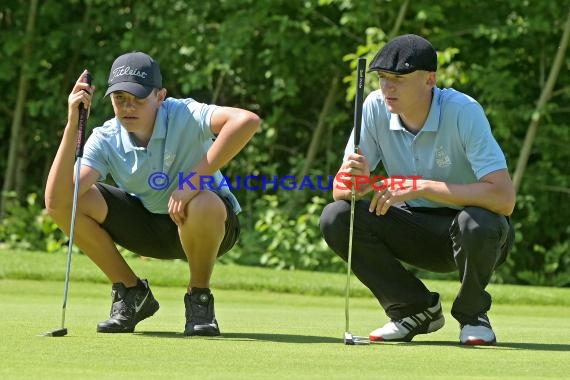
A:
(180, 139)
(455, 144)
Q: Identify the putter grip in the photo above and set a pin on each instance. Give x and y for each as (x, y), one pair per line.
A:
(82, 121)
(358, 101)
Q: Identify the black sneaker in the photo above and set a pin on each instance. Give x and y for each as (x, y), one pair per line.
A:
(130, 306)
(200, 316)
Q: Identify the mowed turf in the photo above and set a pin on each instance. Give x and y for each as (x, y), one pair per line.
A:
(275, 325)
(265, 335)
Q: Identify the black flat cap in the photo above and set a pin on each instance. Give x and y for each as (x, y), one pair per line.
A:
(405, 54)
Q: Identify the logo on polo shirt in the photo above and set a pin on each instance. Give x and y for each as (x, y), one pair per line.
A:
(169, 159)
(441, 158)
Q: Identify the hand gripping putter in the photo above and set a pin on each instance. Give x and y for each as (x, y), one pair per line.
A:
(350, 339)
(83, 113)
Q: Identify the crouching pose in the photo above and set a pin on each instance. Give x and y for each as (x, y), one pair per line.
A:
(157, 150)
(443, 206)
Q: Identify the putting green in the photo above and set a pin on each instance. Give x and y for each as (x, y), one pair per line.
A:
(265, 335)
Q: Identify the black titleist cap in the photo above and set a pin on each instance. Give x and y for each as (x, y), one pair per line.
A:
(405, 54)
(136, 73)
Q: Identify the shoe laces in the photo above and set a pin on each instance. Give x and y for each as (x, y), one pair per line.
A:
(482, 320)
(123, 306)
(200, 308)
(412, 321)
(120, 310)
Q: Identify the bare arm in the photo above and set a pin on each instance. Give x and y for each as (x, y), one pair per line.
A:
(494, 192)
(59, 186)
(234, 127)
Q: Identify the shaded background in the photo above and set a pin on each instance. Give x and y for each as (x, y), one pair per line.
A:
(293, 63)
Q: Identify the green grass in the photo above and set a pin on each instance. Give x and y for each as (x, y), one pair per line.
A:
(43, 266)
(275, 325)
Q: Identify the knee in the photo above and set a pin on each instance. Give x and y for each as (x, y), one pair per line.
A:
(58, 209)
(206, 209)
(474, 225)
(60, 215)
(91, 203)
(335, 221)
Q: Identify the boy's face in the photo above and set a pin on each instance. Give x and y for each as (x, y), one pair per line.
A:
(405, 92)
(136, 114)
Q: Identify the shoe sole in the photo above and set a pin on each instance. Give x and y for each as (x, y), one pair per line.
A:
(205, 331)
(145, 313)
(433, 327)
(479, 342)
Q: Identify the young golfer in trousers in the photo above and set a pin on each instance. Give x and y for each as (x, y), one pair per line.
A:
(450, 214)
(163, 217)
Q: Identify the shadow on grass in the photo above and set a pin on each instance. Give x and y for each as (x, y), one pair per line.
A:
(288, 338)
(499, 346)
(279, 338)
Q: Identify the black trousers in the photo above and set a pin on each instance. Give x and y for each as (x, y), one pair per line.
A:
(472, 241)
(140, 231)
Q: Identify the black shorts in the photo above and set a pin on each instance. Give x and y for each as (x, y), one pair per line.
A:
(133, 227)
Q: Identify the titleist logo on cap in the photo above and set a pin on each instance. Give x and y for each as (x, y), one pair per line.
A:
(126, 70)
(136, 73)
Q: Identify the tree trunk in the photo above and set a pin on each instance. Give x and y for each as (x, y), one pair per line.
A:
(317, 138)
(20, 176)
(539, 109)
(321, 127)
(399, 20)
(11, 167)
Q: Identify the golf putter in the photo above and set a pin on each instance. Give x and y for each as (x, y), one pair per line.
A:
(83, 114)
(350, 339)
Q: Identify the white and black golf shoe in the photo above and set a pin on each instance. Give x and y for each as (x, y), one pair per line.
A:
(478, 333)
(403, 330)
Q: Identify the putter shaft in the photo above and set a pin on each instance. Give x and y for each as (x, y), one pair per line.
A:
(349, 261)
(70, 247)
(358, 103)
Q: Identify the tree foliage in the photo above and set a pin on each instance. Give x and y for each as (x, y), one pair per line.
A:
(280, 58)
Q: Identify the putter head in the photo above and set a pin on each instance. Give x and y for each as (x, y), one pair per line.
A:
(58, 332)
(360, 340)
(354, 340)
(348, 339)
